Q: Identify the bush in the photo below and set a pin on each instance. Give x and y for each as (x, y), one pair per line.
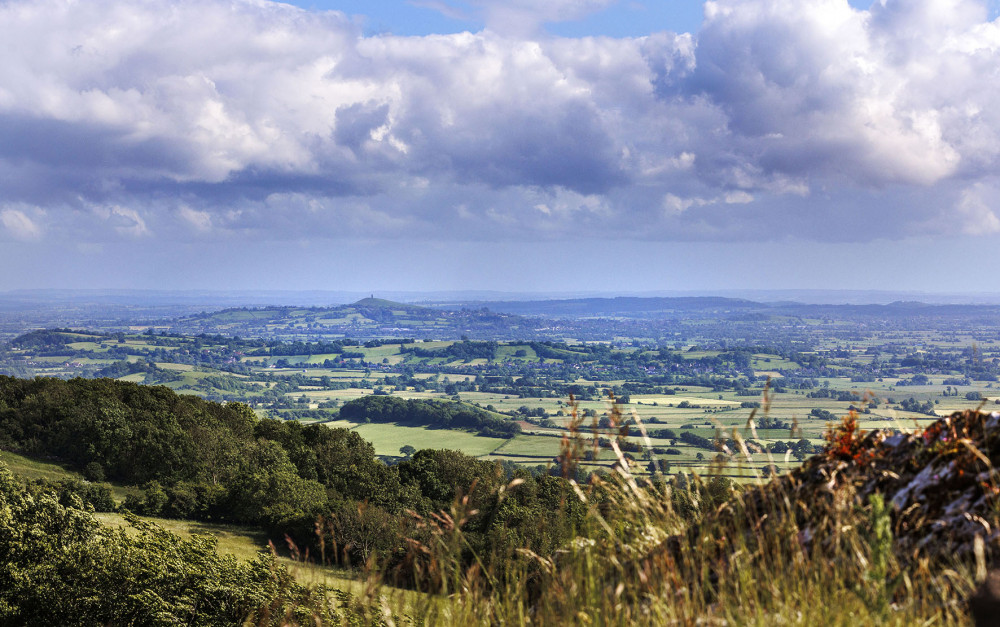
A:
(93, 471)
(60, 567)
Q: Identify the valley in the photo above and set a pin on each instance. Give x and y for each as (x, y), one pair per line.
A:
(691, 381)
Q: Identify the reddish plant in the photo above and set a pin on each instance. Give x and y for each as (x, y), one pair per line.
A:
(846, 441)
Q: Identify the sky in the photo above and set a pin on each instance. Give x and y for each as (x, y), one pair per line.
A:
(519, 145)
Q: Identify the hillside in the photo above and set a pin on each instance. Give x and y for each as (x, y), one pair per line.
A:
(369, 317)
(585, 319)
(622, 306)
(881, 527)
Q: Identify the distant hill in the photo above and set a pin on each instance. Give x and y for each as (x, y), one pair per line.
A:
(368, 317)
(381, 303)
(627, 306)
(588, 319)
(647, 308)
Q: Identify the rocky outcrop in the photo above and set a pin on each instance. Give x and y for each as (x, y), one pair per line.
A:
(937, 491)
(941, 483)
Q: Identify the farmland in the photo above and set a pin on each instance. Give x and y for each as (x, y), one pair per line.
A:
(683, 380)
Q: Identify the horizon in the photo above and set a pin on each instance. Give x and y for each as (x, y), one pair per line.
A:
(311, 298)
(527, 147)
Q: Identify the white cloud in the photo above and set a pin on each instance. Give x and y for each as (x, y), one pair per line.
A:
(676, 205)
(517, 17)
(199, 220)
(19, 224)
(738, 198)
(974, 212)
(524, 16)
(822, 90)
(125, 221)
(261, 117)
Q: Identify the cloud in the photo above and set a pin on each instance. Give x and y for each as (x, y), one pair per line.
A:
(525, 16)
(123, 220)
(821, 90)
(806, 118)
(19, 225)
(975, 214)
(199, 220)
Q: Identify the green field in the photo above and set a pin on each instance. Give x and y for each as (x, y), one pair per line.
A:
(388, 439)
(517, 382)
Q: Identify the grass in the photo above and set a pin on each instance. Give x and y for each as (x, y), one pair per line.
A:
(242, 542)
(705, 554)
(533, 447)
(723, 566)
(389, 438)
(245, 543)
(667, 401)
(30, 469)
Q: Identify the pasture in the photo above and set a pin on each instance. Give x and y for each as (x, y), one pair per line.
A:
(389, 438)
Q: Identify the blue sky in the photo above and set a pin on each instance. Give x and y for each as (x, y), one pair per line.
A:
(500, 144)
(621, 19)
(625, 19)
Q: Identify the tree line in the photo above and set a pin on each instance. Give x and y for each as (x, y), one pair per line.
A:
(434, 413)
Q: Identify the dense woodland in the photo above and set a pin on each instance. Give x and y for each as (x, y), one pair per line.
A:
(436, 414)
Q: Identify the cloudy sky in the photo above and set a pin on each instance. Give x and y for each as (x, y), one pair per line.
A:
(611, 145)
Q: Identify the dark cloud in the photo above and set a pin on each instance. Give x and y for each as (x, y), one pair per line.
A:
(533, 148)
(355, 124)
(59, 159)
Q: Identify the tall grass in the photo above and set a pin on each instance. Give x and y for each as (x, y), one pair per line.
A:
(658, 551)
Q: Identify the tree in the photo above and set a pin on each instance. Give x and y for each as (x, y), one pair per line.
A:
(660, 465)
(407, 450)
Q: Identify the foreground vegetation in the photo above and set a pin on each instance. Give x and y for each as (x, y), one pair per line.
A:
(758, 557)
(839, 541)
(58, 566)
(193, 459)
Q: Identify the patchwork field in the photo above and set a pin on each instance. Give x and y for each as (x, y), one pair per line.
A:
(694, 375)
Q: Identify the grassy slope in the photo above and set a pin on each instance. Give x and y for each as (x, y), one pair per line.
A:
(30, 468)
(242, 542)
(245, 543)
